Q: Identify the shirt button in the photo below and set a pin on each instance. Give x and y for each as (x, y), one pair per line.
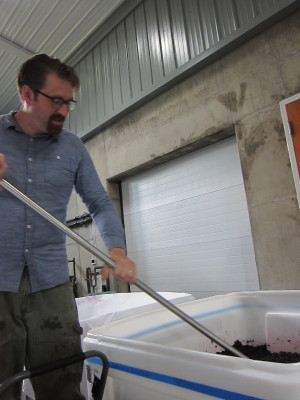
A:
(58, 157)
(28, 226)
(29, 159)
(29, 180)
(26, 250)
(31, 139)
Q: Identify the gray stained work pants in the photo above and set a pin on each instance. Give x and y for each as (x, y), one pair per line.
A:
(36, 328)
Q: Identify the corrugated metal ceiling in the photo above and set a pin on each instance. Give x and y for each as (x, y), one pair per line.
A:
(56, 27)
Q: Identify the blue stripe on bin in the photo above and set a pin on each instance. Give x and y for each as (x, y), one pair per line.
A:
(182, 383)
(195, 317)
(198, 317)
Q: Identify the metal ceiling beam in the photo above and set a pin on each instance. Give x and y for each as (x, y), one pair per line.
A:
(14, 48)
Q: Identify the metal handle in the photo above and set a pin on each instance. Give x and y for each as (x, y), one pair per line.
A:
(111, 264)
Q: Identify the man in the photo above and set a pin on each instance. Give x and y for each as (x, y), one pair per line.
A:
(38, 317)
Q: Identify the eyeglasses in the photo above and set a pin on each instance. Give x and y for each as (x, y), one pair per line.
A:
(58, 101)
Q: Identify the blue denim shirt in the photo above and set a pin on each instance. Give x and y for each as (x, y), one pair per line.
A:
(46, 169)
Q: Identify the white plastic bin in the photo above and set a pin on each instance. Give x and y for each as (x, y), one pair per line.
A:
(157, 356)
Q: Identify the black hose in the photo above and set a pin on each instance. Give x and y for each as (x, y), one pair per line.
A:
(98, 389)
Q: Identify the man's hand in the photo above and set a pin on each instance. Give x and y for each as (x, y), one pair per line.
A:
(3, 168)
(125, 268)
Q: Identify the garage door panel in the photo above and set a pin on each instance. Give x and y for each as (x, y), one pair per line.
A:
(213, 254)
(212, 202)
(169, 183)
(199, 281)
(208, 204)
(175, 239)
(173, 195)
(182, 266)
(195, 269)
(200, 254)
(194, 233)
(187, 224)
(199, 211)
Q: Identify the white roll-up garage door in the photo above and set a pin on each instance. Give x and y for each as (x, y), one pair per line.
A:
(187, 224)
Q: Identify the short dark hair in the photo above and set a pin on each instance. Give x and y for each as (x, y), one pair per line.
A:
(35, 70)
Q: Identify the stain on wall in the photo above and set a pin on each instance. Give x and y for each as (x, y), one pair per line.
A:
(233, 100)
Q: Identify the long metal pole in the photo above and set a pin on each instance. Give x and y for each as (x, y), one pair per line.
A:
(96, 252)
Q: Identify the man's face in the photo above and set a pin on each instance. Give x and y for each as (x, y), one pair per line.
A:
(49, 116)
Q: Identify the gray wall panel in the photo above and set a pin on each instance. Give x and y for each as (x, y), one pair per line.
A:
(126, 93)
(227, 17)
(91, 95)
(133, 59)
(179, 33)
(86, 94)
(206, 23)
(158, 43)
(106, 77)
(245, 11)
(194, 28)
(78, 114)
(165, 33)
(143, 47)
(154, 42)
(115, 71)
(99, 91)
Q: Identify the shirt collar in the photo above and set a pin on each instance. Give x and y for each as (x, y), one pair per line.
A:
(10, 122)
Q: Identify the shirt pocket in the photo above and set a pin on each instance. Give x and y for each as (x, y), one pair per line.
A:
(59, 170)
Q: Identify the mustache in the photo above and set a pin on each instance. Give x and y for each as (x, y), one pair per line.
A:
(57, 117)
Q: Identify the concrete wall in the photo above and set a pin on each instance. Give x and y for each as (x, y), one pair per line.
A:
(239, 93)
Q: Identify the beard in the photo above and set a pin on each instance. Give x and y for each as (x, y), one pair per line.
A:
(54, 129)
